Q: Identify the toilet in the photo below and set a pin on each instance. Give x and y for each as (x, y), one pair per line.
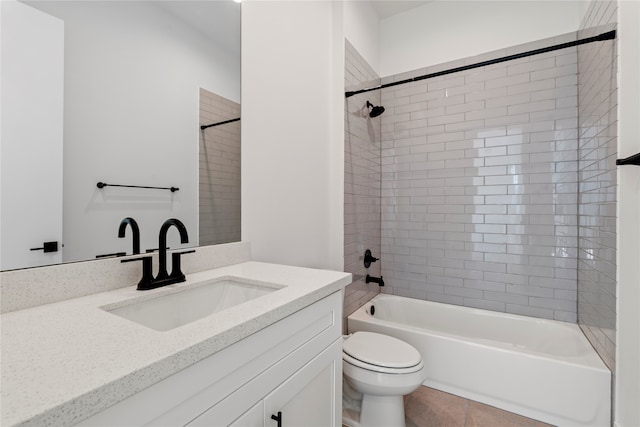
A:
(378, 371)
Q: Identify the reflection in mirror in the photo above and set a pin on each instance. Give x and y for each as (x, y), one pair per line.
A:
(219, 169)
(131, 87)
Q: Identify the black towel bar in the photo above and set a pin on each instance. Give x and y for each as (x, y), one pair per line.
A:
(104, 184)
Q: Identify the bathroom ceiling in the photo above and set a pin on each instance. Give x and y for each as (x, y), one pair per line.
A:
(387, 8)
(218, 20)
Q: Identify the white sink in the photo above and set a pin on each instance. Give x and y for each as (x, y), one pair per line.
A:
(182, 306)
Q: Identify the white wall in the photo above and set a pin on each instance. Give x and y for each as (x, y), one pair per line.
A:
(443, 31)
(627, 410)
(292, 132)
(132, 79)
(362, 29)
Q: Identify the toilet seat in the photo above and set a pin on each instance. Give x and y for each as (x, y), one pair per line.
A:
(381, 353)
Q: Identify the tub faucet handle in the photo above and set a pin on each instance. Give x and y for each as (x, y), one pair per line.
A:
(368, 258)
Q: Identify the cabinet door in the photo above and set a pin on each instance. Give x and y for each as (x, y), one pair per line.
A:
(310, 397)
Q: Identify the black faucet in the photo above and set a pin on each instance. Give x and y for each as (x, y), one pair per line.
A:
(162, 244)
(134, 228)
(163, 278)
(147, 282)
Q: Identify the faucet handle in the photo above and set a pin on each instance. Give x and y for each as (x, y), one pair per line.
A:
(147, 272)
(368, 258)
(149, 251)
(176, 273)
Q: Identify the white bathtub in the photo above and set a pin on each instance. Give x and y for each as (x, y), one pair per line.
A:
(542, 369)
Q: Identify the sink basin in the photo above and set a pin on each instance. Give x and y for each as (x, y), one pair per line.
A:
(169, 311)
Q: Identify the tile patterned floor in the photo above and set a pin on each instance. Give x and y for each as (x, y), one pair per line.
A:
(427, 407)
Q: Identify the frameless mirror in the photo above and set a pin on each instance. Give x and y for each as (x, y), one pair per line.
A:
(219, 191)
(122, 85)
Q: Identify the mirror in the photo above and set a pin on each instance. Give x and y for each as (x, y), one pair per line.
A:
(219, 169)
(132, 80)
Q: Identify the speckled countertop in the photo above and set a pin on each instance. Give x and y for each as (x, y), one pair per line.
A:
(66, 361)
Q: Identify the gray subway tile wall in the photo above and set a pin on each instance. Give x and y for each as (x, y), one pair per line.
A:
(362, 181)
(498, 185)
(479, 184)
(597, 179)
(219, 178)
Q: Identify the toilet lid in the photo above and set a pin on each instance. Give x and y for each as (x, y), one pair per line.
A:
(381, 350)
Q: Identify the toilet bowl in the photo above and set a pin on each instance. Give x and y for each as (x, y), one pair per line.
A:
(378, 371)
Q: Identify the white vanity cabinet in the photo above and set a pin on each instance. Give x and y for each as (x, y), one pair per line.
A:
(306, 398)
(293, 367)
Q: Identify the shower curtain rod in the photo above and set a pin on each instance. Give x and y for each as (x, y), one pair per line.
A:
(604, 36)
(203, 127)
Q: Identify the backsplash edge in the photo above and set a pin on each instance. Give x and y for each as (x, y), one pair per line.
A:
(32, 287)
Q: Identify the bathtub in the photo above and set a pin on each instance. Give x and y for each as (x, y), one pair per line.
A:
(542, 369)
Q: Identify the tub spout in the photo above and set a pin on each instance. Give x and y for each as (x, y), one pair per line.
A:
(377, 280)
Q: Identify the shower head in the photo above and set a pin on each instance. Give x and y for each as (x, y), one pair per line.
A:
(375, 111)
